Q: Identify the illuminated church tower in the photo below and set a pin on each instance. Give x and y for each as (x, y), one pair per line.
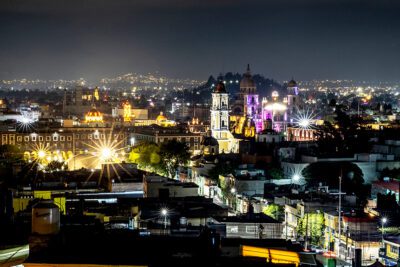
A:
(220, 120)
(248, 94)
(293, 100)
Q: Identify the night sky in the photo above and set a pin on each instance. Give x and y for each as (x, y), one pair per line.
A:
(304, 39)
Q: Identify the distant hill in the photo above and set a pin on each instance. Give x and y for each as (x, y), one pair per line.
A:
(265, 86)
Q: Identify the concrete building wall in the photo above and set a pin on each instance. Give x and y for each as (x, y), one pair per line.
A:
(251, 230)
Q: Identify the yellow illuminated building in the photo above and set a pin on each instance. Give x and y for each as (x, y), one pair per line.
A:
(163, 121)
(127, 112)
(96, 94)
(276, 256)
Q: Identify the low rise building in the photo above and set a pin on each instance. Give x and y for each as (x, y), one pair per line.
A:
(251, 225)
(163, 187)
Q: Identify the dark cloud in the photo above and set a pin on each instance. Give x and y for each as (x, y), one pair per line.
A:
(281, 38)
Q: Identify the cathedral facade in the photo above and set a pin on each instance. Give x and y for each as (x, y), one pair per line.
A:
(251, 116)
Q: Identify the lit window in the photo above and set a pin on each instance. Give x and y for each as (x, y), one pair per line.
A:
(250, 229)
(232, 229)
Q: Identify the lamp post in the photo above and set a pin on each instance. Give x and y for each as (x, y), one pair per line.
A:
(164, 213)
(340, 214)
(384, 221)
(233, 192)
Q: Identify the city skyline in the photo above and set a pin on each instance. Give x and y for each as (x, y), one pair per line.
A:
(280, 39)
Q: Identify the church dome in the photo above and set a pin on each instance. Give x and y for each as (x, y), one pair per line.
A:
(161, 117)
(292, 83)
(247, 80)
(93, 115)
(220, 88)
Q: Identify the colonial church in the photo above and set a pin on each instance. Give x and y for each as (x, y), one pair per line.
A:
(249, 116)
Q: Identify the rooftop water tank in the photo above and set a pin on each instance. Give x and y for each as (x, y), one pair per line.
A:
(45, 218)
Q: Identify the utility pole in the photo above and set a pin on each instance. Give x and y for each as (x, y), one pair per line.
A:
(306, 239)
(340, 212)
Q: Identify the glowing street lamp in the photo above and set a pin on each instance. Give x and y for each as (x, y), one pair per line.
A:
(164, 213)
(41, 154)
(106, 153)
(296, 177)
(304, 123)
(384, 221)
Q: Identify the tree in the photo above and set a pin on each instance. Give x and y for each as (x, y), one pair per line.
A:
(146, 155)
(345, 136)
(10, 152)
(327, 173)
(55, 166)
(221, 168)
(276, 173)
(311, 226)
(173, 154)
(273, 210)
(164, 159)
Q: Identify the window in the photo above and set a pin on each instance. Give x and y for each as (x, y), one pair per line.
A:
(103, 136)
(55, 138)
(250, 229)
(19, 138)
(26, 138)
(69, 138)
(89, 136)
(34, 138)
(232, 229)
(40, 138)
(77, 136)
(62, 138)
(48, 138)
(394, 250)
(83, 137)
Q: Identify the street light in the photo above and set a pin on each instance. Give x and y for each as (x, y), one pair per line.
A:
(41, 154)
(233, 192)
(384, 221)
(164, 212)
(296, 177)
